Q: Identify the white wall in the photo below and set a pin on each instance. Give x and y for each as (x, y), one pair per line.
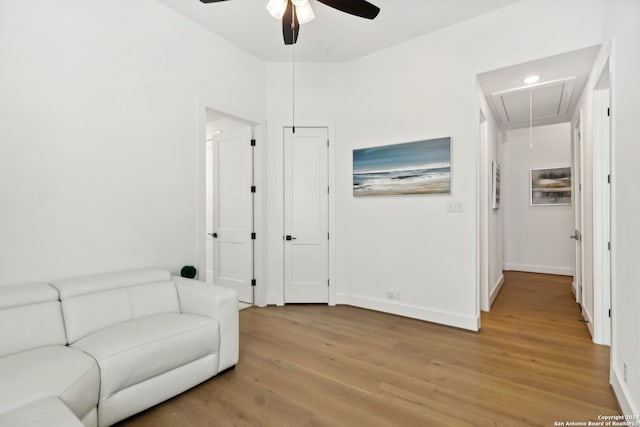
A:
(99, 165)
(536, 238)
(424, 88)
(622, 19)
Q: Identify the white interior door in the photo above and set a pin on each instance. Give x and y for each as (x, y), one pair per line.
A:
(232, 200)
(577, 212)
(306, 219)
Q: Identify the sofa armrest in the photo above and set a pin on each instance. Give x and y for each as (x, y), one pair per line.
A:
(220, 303)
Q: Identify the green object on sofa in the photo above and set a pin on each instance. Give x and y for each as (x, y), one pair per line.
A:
(188, 271)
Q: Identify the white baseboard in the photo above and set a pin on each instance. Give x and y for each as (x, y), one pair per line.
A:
(496, 290)
(415, 312)
(544, 269)
(574, 290)
(273, 299)
(622, 394)
(341, 298)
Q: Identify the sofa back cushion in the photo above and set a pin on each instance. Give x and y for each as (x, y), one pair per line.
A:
(30, 317)
(95, 302)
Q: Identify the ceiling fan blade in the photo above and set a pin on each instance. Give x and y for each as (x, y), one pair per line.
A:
(211, 1)
(290, 25)
(361, 8)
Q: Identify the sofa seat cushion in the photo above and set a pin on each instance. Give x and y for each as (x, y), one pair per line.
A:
(59, 371)
(45, 412)
(136, 350)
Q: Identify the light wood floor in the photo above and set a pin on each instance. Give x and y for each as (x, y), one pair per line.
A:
(533, 363)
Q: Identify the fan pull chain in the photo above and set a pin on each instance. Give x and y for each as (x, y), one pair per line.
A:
(293, 84)
(293, 65)
(530, 119)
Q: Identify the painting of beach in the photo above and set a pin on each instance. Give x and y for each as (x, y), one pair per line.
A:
(421, 167)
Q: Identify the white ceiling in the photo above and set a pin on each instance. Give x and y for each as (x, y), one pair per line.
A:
(563, 77)
(247, 24)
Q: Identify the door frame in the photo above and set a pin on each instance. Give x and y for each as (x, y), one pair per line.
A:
(603, 203)
(484, 193)
(275, 208)
(204, 103)
(577, 155)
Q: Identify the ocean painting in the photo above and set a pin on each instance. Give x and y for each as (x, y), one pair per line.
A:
(421, 167)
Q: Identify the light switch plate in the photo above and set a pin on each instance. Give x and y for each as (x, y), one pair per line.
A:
(455, 206)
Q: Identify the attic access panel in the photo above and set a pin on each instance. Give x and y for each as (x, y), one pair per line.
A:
(548, 100)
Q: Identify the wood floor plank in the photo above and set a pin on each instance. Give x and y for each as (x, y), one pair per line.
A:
(532, 363)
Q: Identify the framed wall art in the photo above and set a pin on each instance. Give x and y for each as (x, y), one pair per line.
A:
(420, 167)
(551, 186)
(495, 174)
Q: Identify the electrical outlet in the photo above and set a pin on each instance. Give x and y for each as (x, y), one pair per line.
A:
(455, 206)
(397, 295)
(390, 294)
(625, 372)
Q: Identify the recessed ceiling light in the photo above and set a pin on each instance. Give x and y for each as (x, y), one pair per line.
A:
(534, 78)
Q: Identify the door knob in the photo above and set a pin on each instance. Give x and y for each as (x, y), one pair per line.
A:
(214, 235)
(287, 237)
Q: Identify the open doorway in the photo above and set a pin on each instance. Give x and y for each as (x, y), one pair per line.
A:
(529, 123)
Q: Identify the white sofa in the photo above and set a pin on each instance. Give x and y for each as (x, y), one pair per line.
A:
(149, 335)
(42, 380)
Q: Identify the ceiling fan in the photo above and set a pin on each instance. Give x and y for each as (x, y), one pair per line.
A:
(294, 13)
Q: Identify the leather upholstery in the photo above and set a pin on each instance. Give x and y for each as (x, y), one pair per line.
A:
(103, 282)
(30, 317)
(146, 394)
(132, 352)
(45, 412)
(50, 371)
(33, 293)
(88, 313)
(219, 303)
(136, 338)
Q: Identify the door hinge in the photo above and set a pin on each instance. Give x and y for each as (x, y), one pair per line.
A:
(328, 236)
(253, 236)
(328, 282)
(609, 179)
(608, 112)
(327, 142)
(609, 313)
(328, 190)
(253, 188)
(253, 282)
(253, 142)
(609, 245)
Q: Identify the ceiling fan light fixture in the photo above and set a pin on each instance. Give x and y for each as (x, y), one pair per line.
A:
(277, 8)
(299, 3)
(304, 12)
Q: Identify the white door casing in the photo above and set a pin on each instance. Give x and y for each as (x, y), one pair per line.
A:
(232, 200)
(306, 220)
(577, 211)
